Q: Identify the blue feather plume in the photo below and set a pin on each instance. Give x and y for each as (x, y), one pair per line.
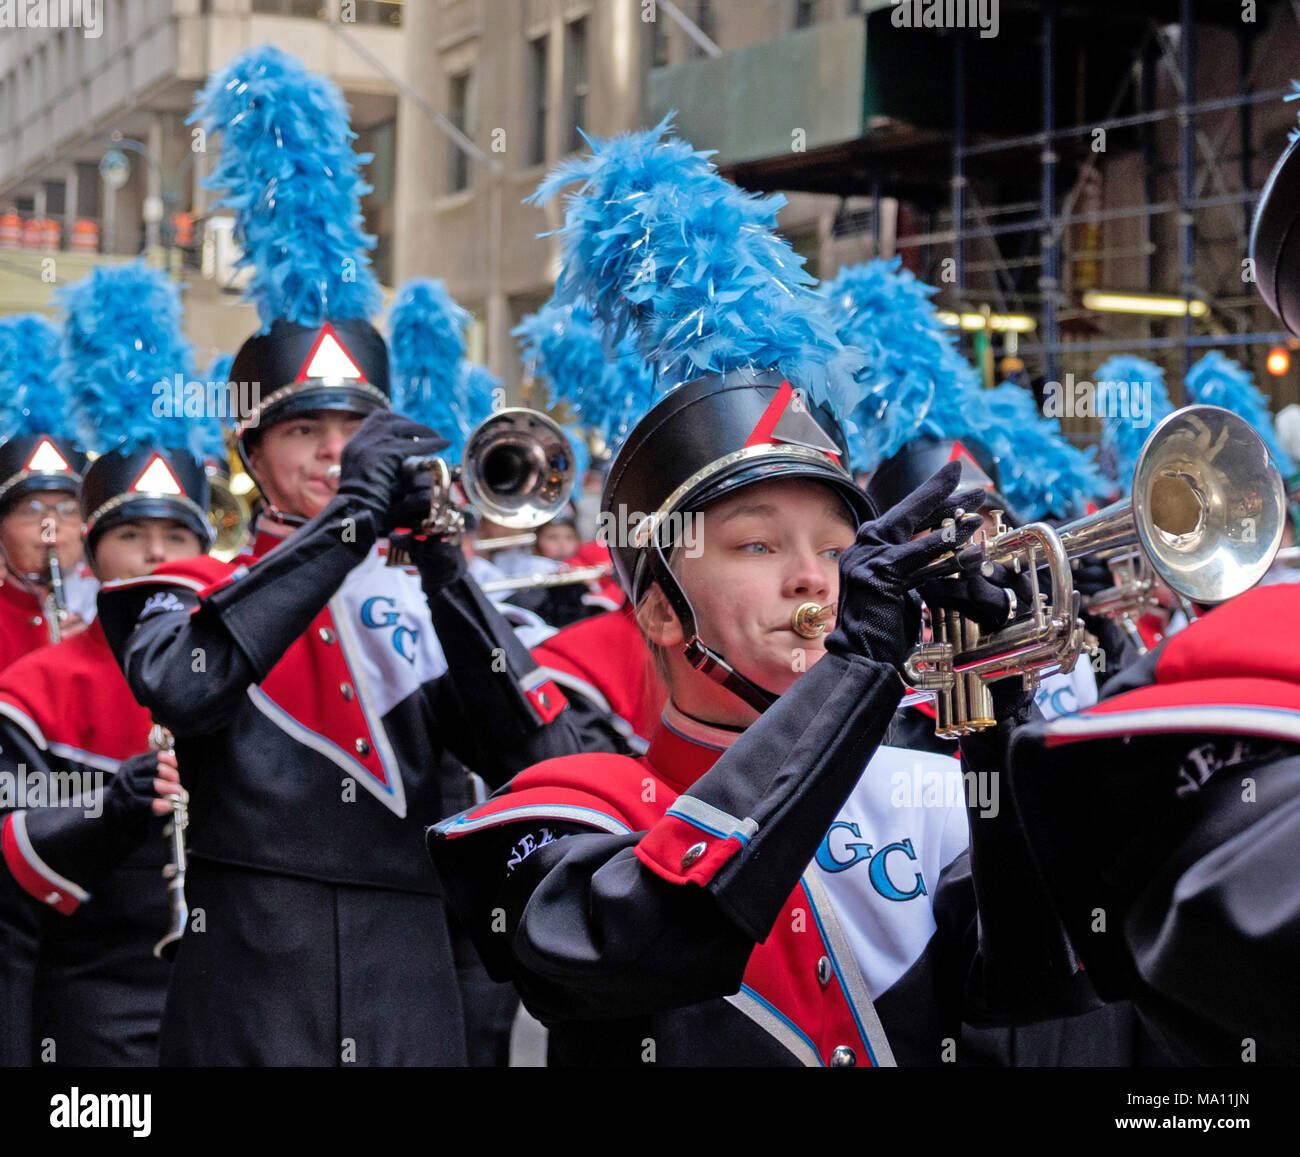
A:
(1131, 399)
(657, 243)
(122, 348)
(288, 171)
(31, 398)
(1042, 474)
(581, 453)
(607, 392)
(915, 380)
(1217, 380)
(432, 382)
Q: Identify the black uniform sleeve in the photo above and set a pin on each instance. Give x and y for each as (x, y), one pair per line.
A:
(598, 925)
(67, 828)
(190, 659)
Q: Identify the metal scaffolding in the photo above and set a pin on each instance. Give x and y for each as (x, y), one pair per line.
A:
(1198, 188)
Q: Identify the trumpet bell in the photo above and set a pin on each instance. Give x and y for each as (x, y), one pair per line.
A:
(1208, 504)
(518, 468)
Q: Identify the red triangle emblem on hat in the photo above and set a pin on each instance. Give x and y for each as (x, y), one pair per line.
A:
(46, 459)
(975, 474)
(783, 421)
(329, 359)
(157, 478)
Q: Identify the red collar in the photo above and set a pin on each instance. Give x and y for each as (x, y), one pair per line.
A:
(682, 749)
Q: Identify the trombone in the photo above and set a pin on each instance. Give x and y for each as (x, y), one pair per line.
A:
(1206, 516)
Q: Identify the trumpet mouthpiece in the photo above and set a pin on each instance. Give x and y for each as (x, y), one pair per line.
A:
(812, 619)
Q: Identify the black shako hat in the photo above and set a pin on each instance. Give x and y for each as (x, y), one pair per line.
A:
(911, 466)
(701, 442)
(337, 365)
(148, 482)
(34, 462)
(1275, 239)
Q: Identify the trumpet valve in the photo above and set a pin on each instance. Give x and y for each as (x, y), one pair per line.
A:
(812, 619)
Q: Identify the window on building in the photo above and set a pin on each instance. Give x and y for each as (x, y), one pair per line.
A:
(538, 91)
(56, 200)
(458, 110)
(88, 186)
(381, 142)
(706, 21)
(658, 41)
(575, 67)
(805, 13)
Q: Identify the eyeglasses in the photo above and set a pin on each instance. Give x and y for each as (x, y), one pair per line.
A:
(34, 510)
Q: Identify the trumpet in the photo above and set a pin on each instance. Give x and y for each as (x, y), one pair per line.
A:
(517, 470)
(1206, 516)
(160, 739)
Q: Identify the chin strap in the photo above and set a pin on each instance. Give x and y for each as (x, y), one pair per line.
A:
(700, 656)
(273, 513)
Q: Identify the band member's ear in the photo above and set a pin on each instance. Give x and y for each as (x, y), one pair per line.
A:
(658, 621)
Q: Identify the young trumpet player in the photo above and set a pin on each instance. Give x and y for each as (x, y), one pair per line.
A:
(313, 732)
(760, 887)
(40, 469)
(82, 829)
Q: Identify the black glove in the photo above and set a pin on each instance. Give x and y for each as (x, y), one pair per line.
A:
(983, 600)
(439, 561)
(1091, 575)
(879, 614)
(371, 466)
(129, 796)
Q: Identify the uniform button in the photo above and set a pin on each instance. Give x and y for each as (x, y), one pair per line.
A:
(345, 689)
(824, 971)
(844, 1058)
(544, 699)
(327, 636)
(693, 853)
(54, 898)
(363, 748)
(36, 622)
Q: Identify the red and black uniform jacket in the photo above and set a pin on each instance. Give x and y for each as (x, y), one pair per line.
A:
(23, 628)
(312, 700)
(67, 719)
(1166, 823)
(604, 662)
(675, 908)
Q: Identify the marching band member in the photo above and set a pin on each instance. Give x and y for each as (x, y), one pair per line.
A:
(699, 905)
(40, 469)
(307, 691)
(89, 990)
